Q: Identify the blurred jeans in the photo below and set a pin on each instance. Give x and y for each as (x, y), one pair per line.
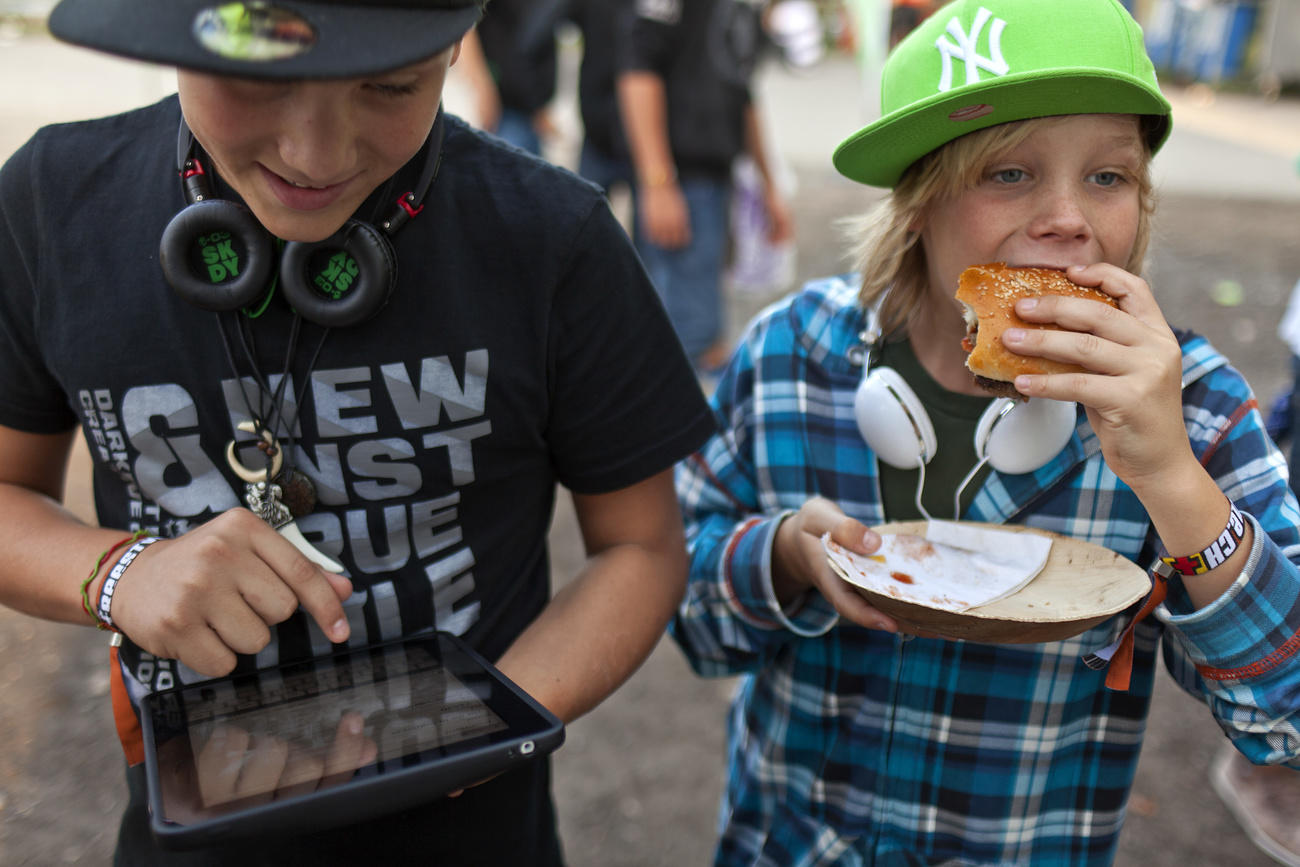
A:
(516, 127)
(689, 279)
(603, 170)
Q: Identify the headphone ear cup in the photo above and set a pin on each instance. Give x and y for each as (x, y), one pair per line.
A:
(216, 255)
(1019, 437)
(340, 281)
(892, 420)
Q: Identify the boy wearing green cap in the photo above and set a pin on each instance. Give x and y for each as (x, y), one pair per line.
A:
(1013, 131)
(307, 323)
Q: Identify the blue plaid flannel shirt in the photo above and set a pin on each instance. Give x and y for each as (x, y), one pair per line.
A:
(850, 746)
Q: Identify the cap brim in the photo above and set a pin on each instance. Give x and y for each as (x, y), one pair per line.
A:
(349, 40)
(879, 153)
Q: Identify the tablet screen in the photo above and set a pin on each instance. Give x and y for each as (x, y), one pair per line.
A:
(249, 741)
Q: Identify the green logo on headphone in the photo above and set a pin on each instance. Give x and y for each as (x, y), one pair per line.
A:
(336, 278)
(217, 250)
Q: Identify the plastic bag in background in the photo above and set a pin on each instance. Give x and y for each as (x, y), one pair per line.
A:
(758, 266)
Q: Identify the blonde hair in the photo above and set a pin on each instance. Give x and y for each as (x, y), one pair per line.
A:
(889, 255)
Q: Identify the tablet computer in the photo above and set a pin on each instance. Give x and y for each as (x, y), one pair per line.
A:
(331, 741)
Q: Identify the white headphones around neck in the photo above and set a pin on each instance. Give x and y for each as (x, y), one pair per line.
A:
(1012, 436)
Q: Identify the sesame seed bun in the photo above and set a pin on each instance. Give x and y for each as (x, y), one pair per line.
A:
(988, 294)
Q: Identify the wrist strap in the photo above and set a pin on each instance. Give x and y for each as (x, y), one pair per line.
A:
(115, 575)
(1216, 552)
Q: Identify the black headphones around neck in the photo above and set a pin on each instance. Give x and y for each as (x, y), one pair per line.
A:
(218, 257)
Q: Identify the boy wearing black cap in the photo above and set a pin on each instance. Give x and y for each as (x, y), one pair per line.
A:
(1013, 131)
(299, 287)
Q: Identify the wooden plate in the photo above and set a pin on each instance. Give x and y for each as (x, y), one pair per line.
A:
(1081, 585)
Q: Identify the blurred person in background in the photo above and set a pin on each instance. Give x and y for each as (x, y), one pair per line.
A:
(509, 62)
(604, 158)
(688, 111)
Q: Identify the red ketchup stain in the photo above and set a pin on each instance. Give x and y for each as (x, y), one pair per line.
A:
(901, 578)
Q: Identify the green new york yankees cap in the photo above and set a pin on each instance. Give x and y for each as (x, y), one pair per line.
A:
(977, 63)
(272, 39)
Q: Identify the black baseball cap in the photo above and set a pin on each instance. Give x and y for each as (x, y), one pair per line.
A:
(278, 39)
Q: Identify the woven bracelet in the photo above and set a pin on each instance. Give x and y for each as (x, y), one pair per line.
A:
(94, 573)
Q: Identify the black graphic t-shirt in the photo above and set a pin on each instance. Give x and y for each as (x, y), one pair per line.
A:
(705, 51)
(522, 347)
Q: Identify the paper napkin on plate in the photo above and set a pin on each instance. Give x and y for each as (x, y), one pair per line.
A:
(954, 566)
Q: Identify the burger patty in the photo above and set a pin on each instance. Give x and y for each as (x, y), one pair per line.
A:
(998, 387)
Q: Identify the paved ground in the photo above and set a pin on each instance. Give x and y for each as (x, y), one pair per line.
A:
(637, 782)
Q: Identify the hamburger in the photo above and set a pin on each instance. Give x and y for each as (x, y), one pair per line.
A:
(988, 294)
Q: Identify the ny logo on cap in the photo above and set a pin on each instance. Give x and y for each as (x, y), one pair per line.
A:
(966, 49)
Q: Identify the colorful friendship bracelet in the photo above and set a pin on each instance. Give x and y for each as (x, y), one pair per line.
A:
(1216, 552)
(115, 574)
(94, 573)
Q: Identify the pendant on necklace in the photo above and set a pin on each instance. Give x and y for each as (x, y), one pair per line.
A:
(298, 492)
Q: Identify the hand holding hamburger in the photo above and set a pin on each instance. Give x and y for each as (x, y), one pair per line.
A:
(988, 294)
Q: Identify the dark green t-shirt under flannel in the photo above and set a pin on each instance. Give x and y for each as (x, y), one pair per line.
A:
(954, 417)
